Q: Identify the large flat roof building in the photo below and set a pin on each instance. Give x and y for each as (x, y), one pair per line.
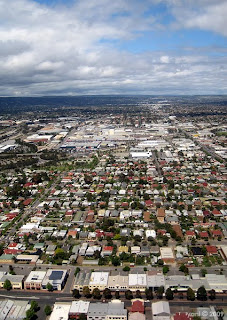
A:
(34, 280)
(56, 278)
(60, 311)
(137, 281)
(99, 280)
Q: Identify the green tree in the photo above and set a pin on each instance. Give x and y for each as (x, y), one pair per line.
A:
(190, 294)
(160, 262)
(76, 271)
(201, 293)
(212, 294)
(128, 295)
(126, 268)
(169, 294)
(7, 285)
(149, 294)
(184, 269)
(30, 314)
(47, 310)
(96, 293)
(86, 292)
(34, 305)
(60, 253)
(49, 287)
(138, 294)
(107, 293)
(165, 269)
(203, 272)
(82, 316)
(76, 294)
(159, 292)
(116, 261)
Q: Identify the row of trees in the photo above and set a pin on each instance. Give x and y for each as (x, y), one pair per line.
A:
(201, 294)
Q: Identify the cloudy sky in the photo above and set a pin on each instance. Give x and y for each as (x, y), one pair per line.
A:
(73, 47)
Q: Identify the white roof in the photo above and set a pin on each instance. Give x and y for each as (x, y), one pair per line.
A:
(79, 307)
(150, 233)
(60, 311)
(36, 276)
(160, 307)
(137, 279)
(99, 278)
(166, 253)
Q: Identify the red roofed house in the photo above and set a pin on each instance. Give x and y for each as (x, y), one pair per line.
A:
(161, 215)
(216, 233)
(190, 235)
(211, 250)
(216, 213)
(138, 306)
(204, 235)
(72, 233)
(182, 316)
(27, 202)
(107, 251)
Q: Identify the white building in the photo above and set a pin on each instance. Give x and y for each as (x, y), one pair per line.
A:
(78, 307)
(160, 310)
(34, 280)
(99, 280)
(60, 311)
(137, 281)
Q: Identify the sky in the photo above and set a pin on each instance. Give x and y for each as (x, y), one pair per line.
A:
(101, 47)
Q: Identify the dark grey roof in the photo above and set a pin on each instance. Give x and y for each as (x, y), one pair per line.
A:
(56, 275)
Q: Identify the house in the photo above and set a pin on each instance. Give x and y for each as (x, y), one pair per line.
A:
(161, 215)
(50, 250)
(135, 250)
(138, 233)
(211, 250)
(125, 232)
(72, 233)
(122, 249)
(182, 316)
(204, 235)
(107, 251)
(190, 235)
(160, 310)
(145, 251)
(150, 234)
(177, 229)
(197, 251)
(138, 306)
(167, 255)
(216, 233)
(136, 316)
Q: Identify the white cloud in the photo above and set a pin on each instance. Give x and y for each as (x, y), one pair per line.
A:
(57, 50)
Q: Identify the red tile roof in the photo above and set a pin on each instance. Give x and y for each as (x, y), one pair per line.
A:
(137, 306)
(182, 316)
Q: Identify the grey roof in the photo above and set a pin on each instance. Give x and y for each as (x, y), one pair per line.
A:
(56, 275)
